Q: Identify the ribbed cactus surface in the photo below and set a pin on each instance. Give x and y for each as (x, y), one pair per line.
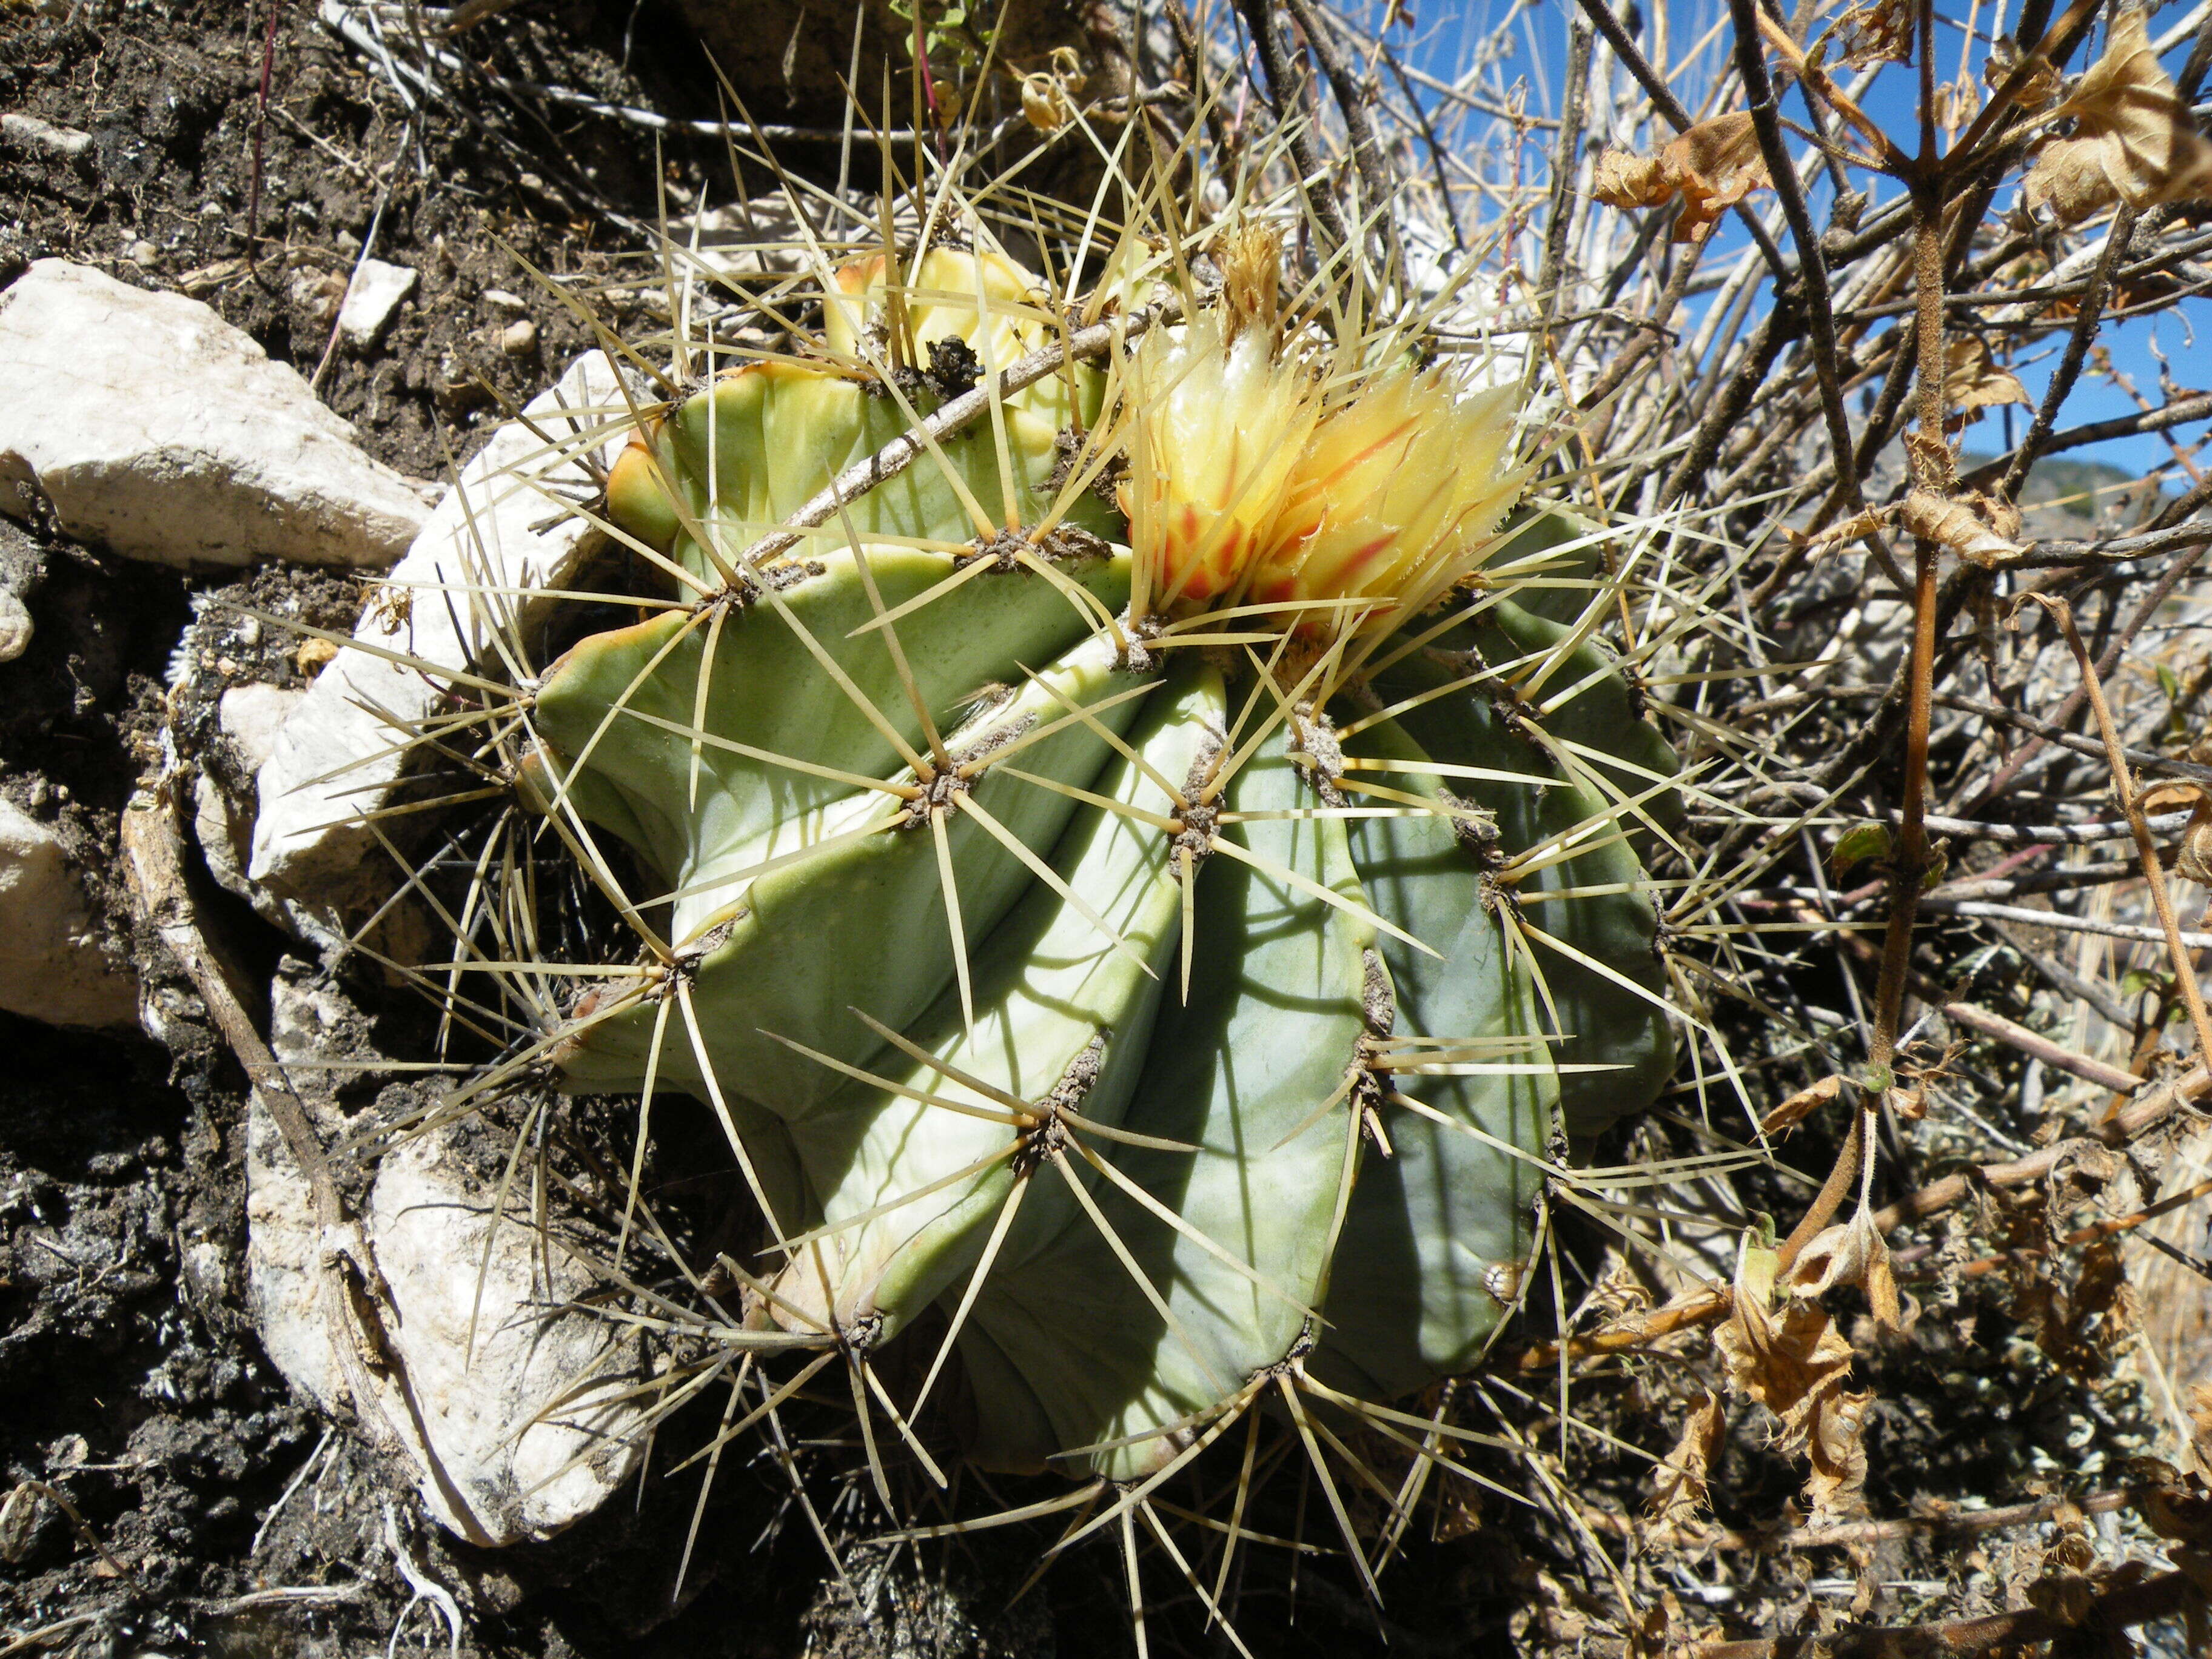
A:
(1155, 942)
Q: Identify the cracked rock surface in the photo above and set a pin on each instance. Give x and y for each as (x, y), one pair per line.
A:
(483, 1354)
(504, 522)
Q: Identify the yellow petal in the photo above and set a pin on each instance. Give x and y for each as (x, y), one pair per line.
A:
(1394, 497)
(1217, 429)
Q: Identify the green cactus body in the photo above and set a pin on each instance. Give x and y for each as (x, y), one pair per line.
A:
(1091, 993)
(1612, 1026)
(1435, 1232)
(1284, 988)
(737, 460)
(1059, 1007)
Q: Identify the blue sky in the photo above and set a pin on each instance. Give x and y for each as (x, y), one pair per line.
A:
(1449, 36)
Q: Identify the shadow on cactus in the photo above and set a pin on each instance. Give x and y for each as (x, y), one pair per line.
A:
(1146, 899)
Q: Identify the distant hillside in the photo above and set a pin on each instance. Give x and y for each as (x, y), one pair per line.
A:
(2080, 488)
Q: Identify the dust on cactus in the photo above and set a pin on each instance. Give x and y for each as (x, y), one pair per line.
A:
(1149, 890)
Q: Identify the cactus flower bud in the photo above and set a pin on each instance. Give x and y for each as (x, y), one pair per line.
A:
(982, 298)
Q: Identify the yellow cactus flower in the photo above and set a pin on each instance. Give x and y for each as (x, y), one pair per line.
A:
(1392, 497)
(1217, 429)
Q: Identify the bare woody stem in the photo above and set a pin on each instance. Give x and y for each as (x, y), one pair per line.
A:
(350, 1288)
(1931, 464)
(1259, 17)
(1565, 159)
(1376, 177)
(2130, 799)
(1812, 266)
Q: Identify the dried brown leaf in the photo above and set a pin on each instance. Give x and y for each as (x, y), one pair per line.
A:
(2174, 1505)
(1973, 382)
(1794, 1363)
(1623, 178)
(1801, 1106)
(1882, 1296)
(2080, 1326)
(1710, 166)
(2038, 89)
(2067, 1588)
(1877, 34)
(1679, 1494)
(1716, 164)
(1618, 1293)
(1837, 536)
(1928, 457)
(2171, 795)
(1909, 1102)
(2192, 861)
(2134, 139)
(1836, 1484)
(2070, 179)
(1790, 1363)
(1834, 1255)
(1977, 528)
(1850, 1252)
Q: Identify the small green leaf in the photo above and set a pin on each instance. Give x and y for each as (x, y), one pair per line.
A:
(2137, 980)
(1939, 865)
(1756, 1265)
(1866, 841)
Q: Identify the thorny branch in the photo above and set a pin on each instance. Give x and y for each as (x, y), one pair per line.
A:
(956, 415)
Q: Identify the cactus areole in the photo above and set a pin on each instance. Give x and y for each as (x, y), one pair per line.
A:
(1120, 883)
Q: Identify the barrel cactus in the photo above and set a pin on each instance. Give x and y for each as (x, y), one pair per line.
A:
(1145, 889)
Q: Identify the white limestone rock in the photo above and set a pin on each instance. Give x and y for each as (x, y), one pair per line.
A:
(493, 1464)
(28, 132)
(377, 290)
(504, 525)
(156, 429)
(51, 966)
(15, 626)
(518, 1475)
(247, 718)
